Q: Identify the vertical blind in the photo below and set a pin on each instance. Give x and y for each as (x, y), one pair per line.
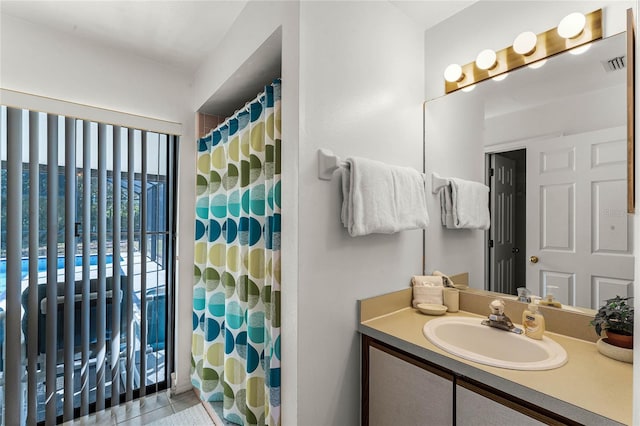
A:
(87, 236)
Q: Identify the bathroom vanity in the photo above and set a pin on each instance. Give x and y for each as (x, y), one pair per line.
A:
(408, 380)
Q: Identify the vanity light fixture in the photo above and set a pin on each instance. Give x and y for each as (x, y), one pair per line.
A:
(528, 49)
(486, 59)
(525, 43)
(453, 73)
(572, 25)
(500, 77)
(469, 88)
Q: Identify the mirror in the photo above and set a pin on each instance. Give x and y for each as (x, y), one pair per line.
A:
(550, 141)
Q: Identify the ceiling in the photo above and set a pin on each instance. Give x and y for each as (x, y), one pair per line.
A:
(177, 33)
(427, 13)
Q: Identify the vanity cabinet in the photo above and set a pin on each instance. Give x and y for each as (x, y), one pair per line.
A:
(401, 389)
(475, 406)
(403, 392)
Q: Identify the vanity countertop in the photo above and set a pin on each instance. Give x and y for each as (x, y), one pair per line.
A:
(590, 388)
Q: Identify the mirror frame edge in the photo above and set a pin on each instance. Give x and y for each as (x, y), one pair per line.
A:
(424, 173)
(630, 112)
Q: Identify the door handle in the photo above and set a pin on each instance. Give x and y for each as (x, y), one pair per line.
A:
(533, 259)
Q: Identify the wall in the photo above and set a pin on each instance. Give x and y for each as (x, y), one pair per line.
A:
(254, 25)
(589, 111)
(488, 24)
(48, 63)
(361, 93)
(358, 87)
(63, 67)
(257, 22)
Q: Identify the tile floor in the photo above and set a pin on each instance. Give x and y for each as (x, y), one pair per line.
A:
(142, 411)
(219, 419)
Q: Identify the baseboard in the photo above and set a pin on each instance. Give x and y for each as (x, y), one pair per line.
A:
(182, 388)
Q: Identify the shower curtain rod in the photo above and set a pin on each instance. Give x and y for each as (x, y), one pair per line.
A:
(246, 107)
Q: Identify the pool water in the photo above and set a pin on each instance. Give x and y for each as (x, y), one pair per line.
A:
(42, 266)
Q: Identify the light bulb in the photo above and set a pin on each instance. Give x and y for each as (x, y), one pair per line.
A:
(525, 43)
(580, 50)
(453, 73)
(486, 59)
(537, 64)
(572, 25)
(468, 88)
(500, 77)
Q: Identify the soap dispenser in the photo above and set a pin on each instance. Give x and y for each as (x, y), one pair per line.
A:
(533, 322)
(550, 301)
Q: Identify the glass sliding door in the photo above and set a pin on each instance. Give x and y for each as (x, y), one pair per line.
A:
(87, 229)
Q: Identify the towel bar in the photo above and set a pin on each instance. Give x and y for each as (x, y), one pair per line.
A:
(438, 182)
(328, 162)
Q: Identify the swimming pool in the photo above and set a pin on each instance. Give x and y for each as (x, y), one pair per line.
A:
(42, 267)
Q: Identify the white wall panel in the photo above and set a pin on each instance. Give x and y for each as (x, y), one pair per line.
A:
(607, 287)
(561, 284)
(557, 218)
(563, 160)
(610, 225)
(608, 153)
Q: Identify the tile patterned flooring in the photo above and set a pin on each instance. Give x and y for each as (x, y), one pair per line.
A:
(142, 411)
(218, 415)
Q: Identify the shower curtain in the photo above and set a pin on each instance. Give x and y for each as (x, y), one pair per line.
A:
(236, 295)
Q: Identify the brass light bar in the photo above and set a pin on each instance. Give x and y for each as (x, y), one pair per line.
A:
(549, 43)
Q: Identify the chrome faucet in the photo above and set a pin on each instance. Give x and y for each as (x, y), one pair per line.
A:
(498, 319)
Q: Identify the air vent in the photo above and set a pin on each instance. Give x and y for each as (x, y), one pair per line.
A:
(615, 64)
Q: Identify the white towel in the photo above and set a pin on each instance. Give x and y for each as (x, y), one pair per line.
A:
(378, 198)
(465, 204)
(426, 289)
(427, 280)
(448, 282)
(446, 207)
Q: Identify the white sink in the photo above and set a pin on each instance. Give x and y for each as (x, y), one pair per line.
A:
(469, 339)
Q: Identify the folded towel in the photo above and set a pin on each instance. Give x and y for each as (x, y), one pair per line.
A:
(465, 204)
(446, 207)
(426, 289)
(448, 282)
(427, 294)
(426, 280)
(378, 198)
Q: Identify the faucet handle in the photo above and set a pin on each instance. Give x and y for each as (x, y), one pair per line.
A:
(497, 307)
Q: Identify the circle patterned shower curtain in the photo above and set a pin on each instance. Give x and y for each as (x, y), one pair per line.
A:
(236, 295)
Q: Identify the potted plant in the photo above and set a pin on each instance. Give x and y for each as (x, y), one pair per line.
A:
(616, 318)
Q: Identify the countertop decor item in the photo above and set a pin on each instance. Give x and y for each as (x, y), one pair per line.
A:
(614, 352)
(616, 318)
(431, 309)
